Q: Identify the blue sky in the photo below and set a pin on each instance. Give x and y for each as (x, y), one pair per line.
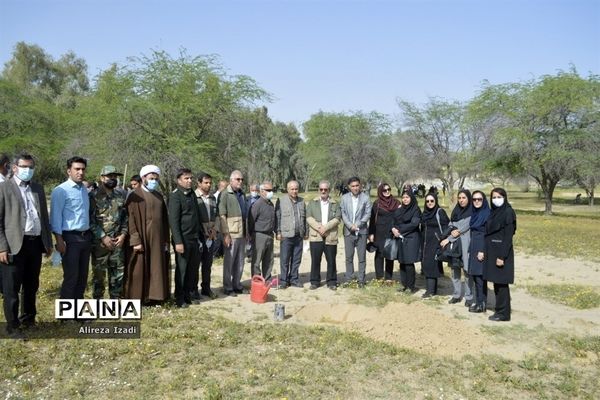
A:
(334, 56)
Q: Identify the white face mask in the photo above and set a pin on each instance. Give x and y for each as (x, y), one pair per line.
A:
(253, 194)
(269, 195)
(498, 202)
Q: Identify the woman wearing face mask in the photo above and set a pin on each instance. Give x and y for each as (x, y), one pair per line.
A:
(434, 221)
(380, 226)
(406, 227)
(481, 212)
(460, 220)
(499, 255)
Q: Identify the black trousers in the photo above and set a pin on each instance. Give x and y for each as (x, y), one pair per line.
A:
(76, 264)
(379, 267)
(23, 272)
(407, 275)
(432, 284)
(316, 253)
(502, 292)
(207, 261)
(187, 265)
(480, 289)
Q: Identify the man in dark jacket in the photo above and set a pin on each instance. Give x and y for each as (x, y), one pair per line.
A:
(184, 219)
(261, 227)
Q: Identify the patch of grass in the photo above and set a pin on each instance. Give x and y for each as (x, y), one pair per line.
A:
(378, 293)
(576, 296)
(566, 237)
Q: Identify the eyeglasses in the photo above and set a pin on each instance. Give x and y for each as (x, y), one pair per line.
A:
(477, 198)
(386, 190)
(323, 189)
(239, 179)
(429, 201)
(268, 190)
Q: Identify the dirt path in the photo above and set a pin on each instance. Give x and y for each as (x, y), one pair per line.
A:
(423, 325)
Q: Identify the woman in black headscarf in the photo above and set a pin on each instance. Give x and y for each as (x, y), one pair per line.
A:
(499, 255)
(380, 227)
(481, 212)
(460, 220)
(406, 227)
(434, 222)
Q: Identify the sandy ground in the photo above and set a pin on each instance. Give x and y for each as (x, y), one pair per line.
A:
(428, 326)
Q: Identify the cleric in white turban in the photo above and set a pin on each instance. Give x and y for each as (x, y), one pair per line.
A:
(147, 264)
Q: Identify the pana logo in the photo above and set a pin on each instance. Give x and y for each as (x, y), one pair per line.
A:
(97, 309)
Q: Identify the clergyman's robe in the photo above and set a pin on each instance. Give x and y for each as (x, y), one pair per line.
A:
(147, 273)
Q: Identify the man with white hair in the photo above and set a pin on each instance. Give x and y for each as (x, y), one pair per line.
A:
(147, 270)
(233, 213)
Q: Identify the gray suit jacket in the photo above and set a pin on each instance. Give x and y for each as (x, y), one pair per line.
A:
(13, 218)
(363, 213)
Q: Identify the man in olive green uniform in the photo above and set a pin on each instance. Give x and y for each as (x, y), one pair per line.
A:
(184, 219)
(108, 223)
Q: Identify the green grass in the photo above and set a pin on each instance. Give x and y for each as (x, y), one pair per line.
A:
(575, 296)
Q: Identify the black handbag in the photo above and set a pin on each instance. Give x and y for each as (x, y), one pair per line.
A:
(452, 253)
(391, 248)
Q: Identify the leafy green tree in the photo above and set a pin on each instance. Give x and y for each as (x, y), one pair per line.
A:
(340, 145)
(539, 124)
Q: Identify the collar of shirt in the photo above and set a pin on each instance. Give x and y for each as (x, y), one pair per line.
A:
(73, 183)
(324, 202)
(20, 182)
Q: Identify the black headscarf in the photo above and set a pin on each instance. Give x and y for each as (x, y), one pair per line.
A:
(429, 213)
(459, 212)
(405, 214)
(480, 215)
(502, 215)
(390, 203)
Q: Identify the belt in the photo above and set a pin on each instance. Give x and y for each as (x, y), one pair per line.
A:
(31, 237)
(80, 233)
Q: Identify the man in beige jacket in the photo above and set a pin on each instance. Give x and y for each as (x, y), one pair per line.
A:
(323, 216)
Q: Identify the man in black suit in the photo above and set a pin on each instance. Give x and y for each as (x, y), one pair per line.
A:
(24, 236)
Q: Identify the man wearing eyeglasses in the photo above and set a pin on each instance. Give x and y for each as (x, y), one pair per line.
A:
(261, 227)
(233, 213)
(323, 216)
(24, 236)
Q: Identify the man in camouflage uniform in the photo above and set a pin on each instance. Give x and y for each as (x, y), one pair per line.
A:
(109, 225)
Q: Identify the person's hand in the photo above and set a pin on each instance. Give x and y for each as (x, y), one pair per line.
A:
(107, 242)
(395, 232)
(227, 240)
(444, 242)
(371, 238)
(179, 248)
(138, 248)
(499, 262)
(279, 236)
(480, 256)
(354, 228)
(119, 240)
(61, 246)
(4, 257)
(455, 233)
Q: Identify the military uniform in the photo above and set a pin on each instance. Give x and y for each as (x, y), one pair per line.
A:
(109, 218)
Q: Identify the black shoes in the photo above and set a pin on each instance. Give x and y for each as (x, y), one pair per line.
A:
(468, 303)
(313, 286)
(361, 285)
(230, 293)
(238, 291)
(332, 287)
(454, 300)
(208, 293)
(499, 318)
(427, 295)
(477, 308)
(283, 285)
(182, 305)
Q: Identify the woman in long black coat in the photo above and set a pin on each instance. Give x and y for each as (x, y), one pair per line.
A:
(380, 228)
(434, 221)
(407, 219)
(481, 212)
(500, 259)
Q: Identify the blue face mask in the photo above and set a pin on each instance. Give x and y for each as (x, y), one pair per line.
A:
(152, 184)
(24, 174)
